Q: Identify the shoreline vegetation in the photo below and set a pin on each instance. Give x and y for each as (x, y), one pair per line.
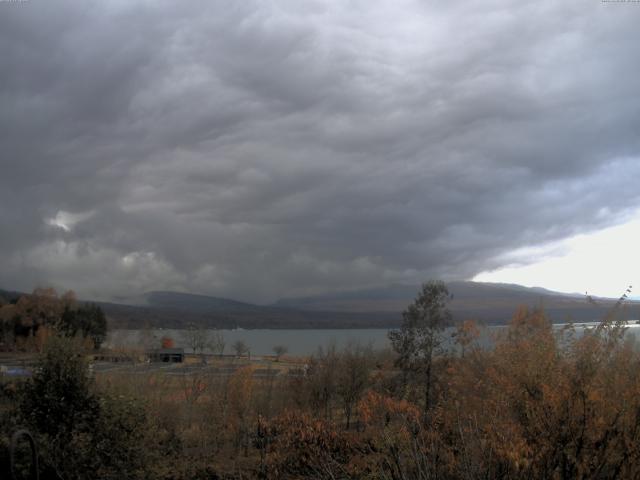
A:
(535, 405)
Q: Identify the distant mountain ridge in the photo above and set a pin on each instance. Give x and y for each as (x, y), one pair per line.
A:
(397, 296)
(492, 303)
(191, 301)
(379, 307)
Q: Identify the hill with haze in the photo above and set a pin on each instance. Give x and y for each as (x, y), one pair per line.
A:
(191, 302)
(492, 303)
(381, 307)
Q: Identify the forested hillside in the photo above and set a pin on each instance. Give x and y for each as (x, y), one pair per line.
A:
(534, 406)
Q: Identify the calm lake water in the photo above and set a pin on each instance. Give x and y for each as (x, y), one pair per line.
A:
(297, 341)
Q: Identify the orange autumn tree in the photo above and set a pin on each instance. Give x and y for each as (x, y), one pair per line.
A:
(297, 445)
(545, 404)
(465, 334)
(59, 315)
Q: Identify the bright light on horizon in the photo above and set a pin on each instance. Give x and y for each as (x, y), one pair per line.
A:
(603, 263)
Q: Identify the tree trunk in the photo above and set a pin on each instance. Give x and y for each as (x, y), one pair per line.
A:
(427, 392)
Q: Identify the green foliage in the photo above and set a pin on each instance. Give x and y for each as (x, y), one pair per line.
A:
(58, 398)
(81, 434)
(419, 337)
(120, 444)
(88, 321)
(423, 321)
(26, 323)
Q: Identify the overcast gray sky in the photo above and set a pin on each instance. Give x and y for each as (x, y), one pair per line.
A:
(259, 149)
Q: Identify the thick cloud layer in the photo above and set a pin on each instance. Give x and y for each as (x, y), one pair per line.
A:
(262, 149)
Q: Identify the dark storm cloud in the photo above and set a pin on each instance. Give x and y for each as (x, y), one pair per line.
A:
(259, 149)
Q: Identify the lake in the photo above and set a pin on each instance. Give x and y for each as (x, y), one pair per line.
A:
(297, 341)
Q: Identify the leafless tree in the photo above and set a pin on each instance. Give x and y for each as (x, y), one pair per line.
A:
(322, 379)
(241, 348)
(200, 339)
(216, 342)
(353, 376)
(279, 350)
